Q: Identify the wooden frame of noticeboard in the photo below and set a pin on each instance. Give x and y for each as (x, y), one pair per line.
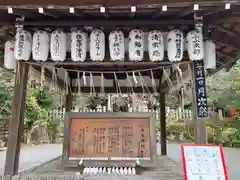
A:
(221, 156)
(109, 115)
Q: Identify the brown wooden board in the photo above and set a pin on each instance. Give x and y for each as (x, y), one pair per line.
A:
(114, 137)
(109, 138)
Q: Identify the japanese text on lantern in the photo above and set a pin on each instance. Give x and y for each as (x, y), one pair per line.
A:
(37, 46)
(138, 44)
(20, 45)
(97, 45)
(201, 96)
(56, 45)
(156, 44)
(79, 45)
(116, 46)
(178, 44)
(196, 44)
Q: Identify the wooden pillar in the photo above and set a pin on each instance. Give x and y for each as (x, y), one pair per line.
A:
(68, 102)
(163, 135)
(199, 103)
(16, 123)
(68, 107)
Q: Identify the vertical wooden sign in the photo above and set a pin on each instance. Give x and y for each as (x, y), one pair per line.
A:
(201, 95)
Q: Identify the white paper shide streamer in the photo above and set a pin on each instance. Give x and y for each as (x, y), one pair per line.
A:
(209, 55)
(78, 45)
(97, 45)
(9, 58)
(58, 45)
(195, 45)
(40, 46)
(175, 45)
(116, 45)
(155, 45)
(135, 46)
(23, 45)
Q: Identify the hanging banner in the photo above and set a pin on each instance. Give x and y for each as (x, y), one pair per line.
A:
(203, 162)
(201, 95)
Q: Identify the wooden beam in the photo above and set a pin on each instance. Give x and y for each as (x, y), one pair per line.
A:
(105, 14)
(224, 30)
(16, 124)
(230, 56)
(130, 22)
(221, 16)
(50, 13)
(114, 89)
(78, 12)
(170, 3)
(145, 64)
(224, 39)
(226, 65)
(186, 12)
(27, 13)
(132, 14)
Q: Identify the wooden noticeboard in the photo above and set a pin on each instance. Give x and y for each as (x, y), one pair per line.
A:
(110, 136)
(203, 162)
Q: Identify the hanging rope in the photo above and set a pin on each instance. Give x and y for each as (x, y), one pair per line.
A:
(30, 76)
(169, 82)
(145, 88)
(54, 79)
(109, 72)
(67, 83)
(153, 83)
(117, 85)
(42, 77)
(130, 83)
(144, 83)
(84, 79)
(92, 89)
(179, 73)
(102, 84)
(78, 83)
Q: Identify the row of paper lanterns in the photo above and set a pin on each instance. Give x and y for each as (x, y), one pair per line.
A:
(41, 43)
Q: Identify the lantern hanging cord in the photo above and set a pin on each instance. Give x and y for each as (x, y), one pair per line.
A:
(118, 88)
(130, 83)
(108, 72)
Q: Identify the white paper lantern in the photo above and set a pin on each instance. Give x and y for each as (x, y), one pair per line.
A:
(209, 55)
(97, 45)
(175, 45)
(195, 46)
(116, 45)
(40, 46)
(155, 45)
(136, 45)
(9, 58)
(68, 41)
(58, 45)
(78, 45)
(23, 45)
